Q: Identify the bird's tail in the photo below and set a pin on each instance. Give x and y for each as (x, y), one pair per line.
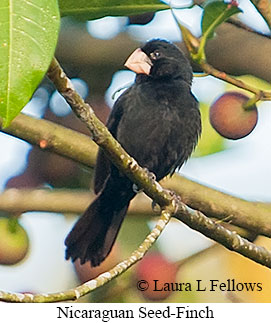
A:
(94, 234)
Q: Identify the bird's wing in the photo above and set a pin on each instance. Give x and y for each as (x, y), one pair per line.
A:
(193, 131)
(103, 165)
(102, 171)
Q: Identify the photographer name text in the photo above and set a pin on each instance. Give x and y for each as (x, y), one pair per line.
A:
(213, 285)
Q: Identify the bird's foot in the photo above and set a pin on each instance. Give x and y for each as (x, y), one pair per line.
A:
(175, 198)
(136, 189)
(173, 195)
(155, 207)
(151, 176)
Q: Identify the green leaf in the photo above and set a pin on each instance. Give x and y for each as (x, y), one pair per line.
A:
(216, 12)
(210, 141)
(93, 9)
(29, 30)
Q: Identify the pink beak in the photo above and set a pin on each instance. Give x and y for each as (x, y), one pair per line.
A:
(139, 62)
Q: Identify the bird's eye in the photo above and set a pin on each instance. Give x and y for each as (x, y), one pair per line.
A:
(155, 54)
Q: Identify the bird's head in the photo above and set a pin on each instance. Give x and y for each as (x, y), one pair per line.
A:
(160, 59)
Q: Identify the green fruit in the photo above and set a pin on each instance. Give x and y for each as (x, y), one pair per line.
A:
(14, 242)
(230, 119)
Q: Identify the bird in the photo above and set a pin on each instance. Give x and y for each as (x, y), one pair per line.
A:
(157, 121)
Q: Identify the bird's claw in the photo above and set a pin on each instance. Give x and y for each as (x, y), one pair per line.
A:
(136, 189)
(176, 199)
(155, 207)
(174, 195)
(151, 175)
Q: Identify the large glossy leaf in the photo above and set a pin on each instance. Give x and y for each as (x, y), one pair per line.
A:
(28, 36)
(216, 12)
(93, 9)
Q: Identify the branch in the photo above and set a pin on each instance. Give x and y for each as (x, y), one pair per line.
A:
(141, 177)
(102, 136)
(52, 137)
(253, 216)
(194, 219)
(210, 70)
(75, 293)
(18, 201)
(196, 48)
(231, 240)
(223, 52)
(59, 201)
(168, 203)
(264, 7)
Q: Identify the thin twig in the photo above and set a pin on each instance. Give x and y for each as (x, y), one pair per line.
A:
(194, 45)
(261, 95)
(77, 292)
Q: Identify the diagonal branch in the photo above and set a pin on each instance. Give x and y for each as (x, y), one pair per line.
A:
(170, 205)
(101, 135)
(139, 176)
(229, 239)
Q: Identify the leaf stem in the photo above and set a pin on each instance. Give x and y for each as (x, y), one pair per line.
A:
(200, 56)
(250, 104)
(259, 94)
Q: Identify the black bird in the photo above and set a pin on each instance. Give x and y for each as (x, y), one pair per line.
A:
(157, 121)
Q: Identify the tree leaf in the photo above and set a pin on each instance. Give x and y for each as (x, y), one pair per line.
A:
(29, 30)
(93, 9)
(216, 12)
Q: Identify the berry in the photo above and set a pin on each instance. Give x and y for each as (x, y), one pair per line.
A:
(155, 267)
(230, 119)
